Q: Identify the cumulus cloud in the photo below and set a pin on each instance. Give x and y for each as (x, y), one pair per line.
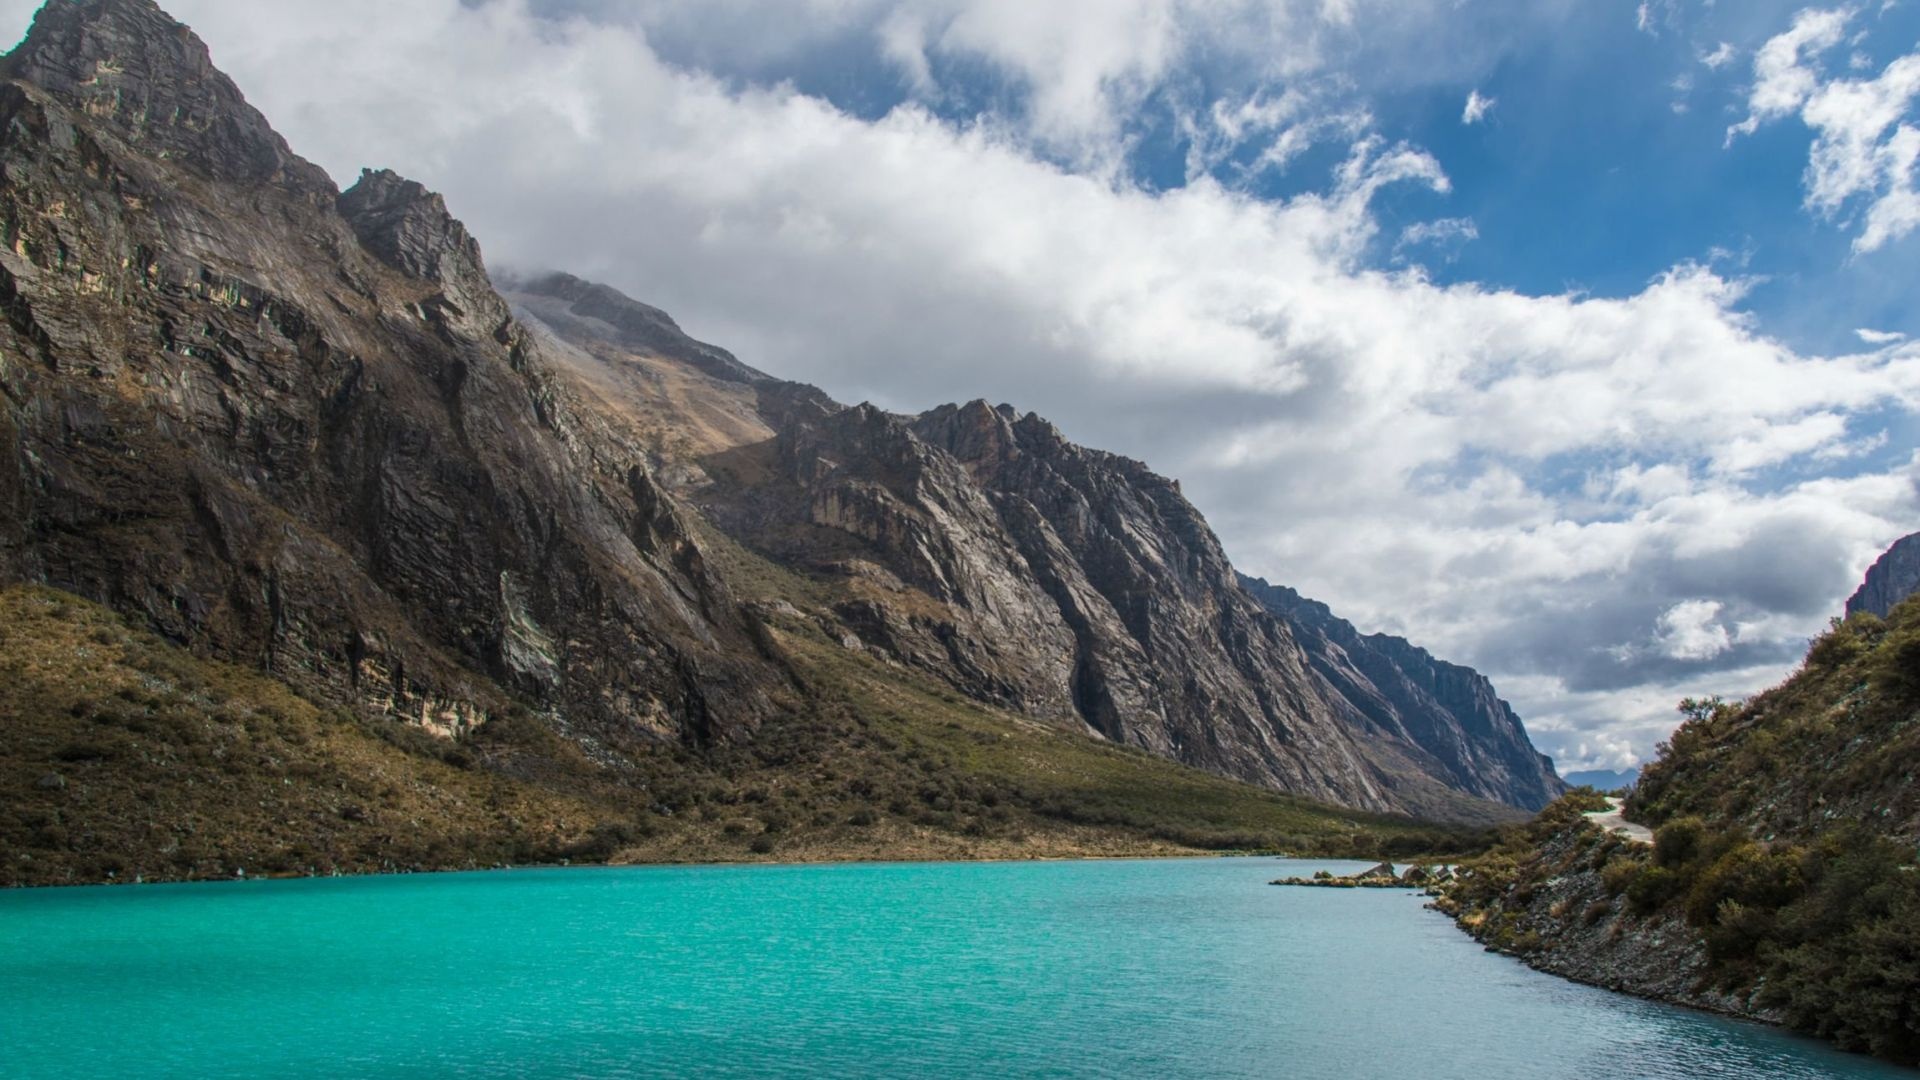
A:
(1478, 106)
(1691, 630)
(1880, 337)
(1864, 150)
(1522, 482)
(1722, 55)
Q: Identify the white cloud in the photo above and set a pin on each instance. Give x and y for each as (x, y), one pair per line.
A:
(1392, 445)
(1782, 84)
(1725, 53)
(1880, 337)
(1478, 106)
(1445, 232)
(1691, 630)
(1864, 151)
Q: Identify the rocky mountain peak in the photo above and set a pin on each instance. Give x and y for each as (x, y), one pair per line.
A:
(976, 433)
(151, 81)
(409, 227)
(1893, 578)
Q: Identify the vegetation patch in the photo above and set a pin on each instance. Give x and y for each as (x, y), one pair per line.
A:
(1784, 849)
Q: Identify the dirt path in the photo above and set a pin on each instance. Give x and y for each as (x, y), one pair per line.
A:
(1610, 820)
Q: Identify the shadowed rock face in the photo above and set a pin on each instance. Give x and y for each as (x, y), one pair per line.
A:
(300, 429)
(304, 431)
(1893, 578)
(1076, 586)
(1452, 713)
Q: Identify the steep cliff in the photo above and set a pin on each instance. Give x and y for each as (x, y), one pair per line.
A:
(980, 546)
(1892, 578)
(1452, 713)
(299, 428)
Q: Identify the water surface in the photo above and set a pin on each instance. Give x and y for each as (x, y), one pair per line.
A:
(1166, 969)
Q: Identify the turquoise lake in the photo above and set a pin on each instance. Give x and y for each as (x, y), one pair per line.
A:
(1153, 969)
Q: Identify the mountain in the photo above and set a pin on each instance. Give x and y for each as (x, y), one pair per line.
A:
(1892, 578)
(979, 546)
(300, 430)
(1780, 884)
(1450, 713)
(1604, 779)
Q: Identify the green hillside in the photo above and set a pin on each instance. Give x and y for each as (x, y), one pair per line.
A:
(1781, 882)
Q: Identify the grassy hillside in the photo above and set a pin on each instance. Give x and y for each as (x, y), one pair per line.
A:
(122, 758)
(1838, 742)
(1782, 879)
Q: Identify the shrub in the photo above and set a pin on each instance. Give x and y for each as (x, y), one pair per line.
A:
(1746, 875)
(1652, 888)
(1619, 874)
(1679, 842)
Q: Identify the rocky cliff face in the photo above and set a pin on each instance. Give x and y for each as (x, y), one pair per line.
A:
(1451, 713)
(1892, 578)
(979, 545)
(300, 428)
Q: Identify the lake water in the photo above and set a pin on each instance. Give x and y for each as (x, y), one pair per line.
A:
(1192, 968)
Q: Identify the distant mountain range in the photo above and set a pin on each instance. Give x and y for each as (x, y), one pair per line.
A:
(300, 430)
(1603, 779)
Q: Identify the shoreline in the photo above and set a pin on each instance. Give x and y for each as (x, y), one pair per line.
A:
(717, 864)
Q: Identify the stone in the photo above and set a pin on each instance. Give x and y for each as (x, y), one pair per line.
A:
(1892, 578)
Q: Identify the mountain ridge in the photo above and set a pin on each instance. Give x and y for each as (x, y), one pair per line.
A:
(1451, 712)
(300, 429)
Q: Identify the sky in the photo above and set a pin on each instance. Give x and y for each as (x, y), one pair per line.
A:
(1567, 338)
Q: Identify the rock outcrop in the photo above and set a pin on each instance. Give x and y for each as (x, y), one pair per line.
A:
(1892, 578)
(1452, 713)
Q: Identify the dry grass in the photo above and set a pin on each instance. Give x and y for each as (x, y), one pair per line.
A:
(124, 758)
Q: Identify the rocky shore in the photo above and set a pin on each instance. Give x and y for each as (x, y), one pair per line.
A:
(1382, 876)
(1559, 916)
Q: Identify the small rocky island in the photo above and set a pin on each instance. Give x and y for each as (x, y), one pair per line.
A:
(1383, 876)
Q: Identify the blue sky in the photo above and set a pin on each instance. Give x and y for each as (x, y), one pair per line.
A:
(1573, 393)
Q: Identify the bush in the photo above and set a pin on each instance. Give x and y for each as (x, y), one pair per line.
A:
(1679, 842)
(1747, 875)
(1619, 875)
(1652, 888)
